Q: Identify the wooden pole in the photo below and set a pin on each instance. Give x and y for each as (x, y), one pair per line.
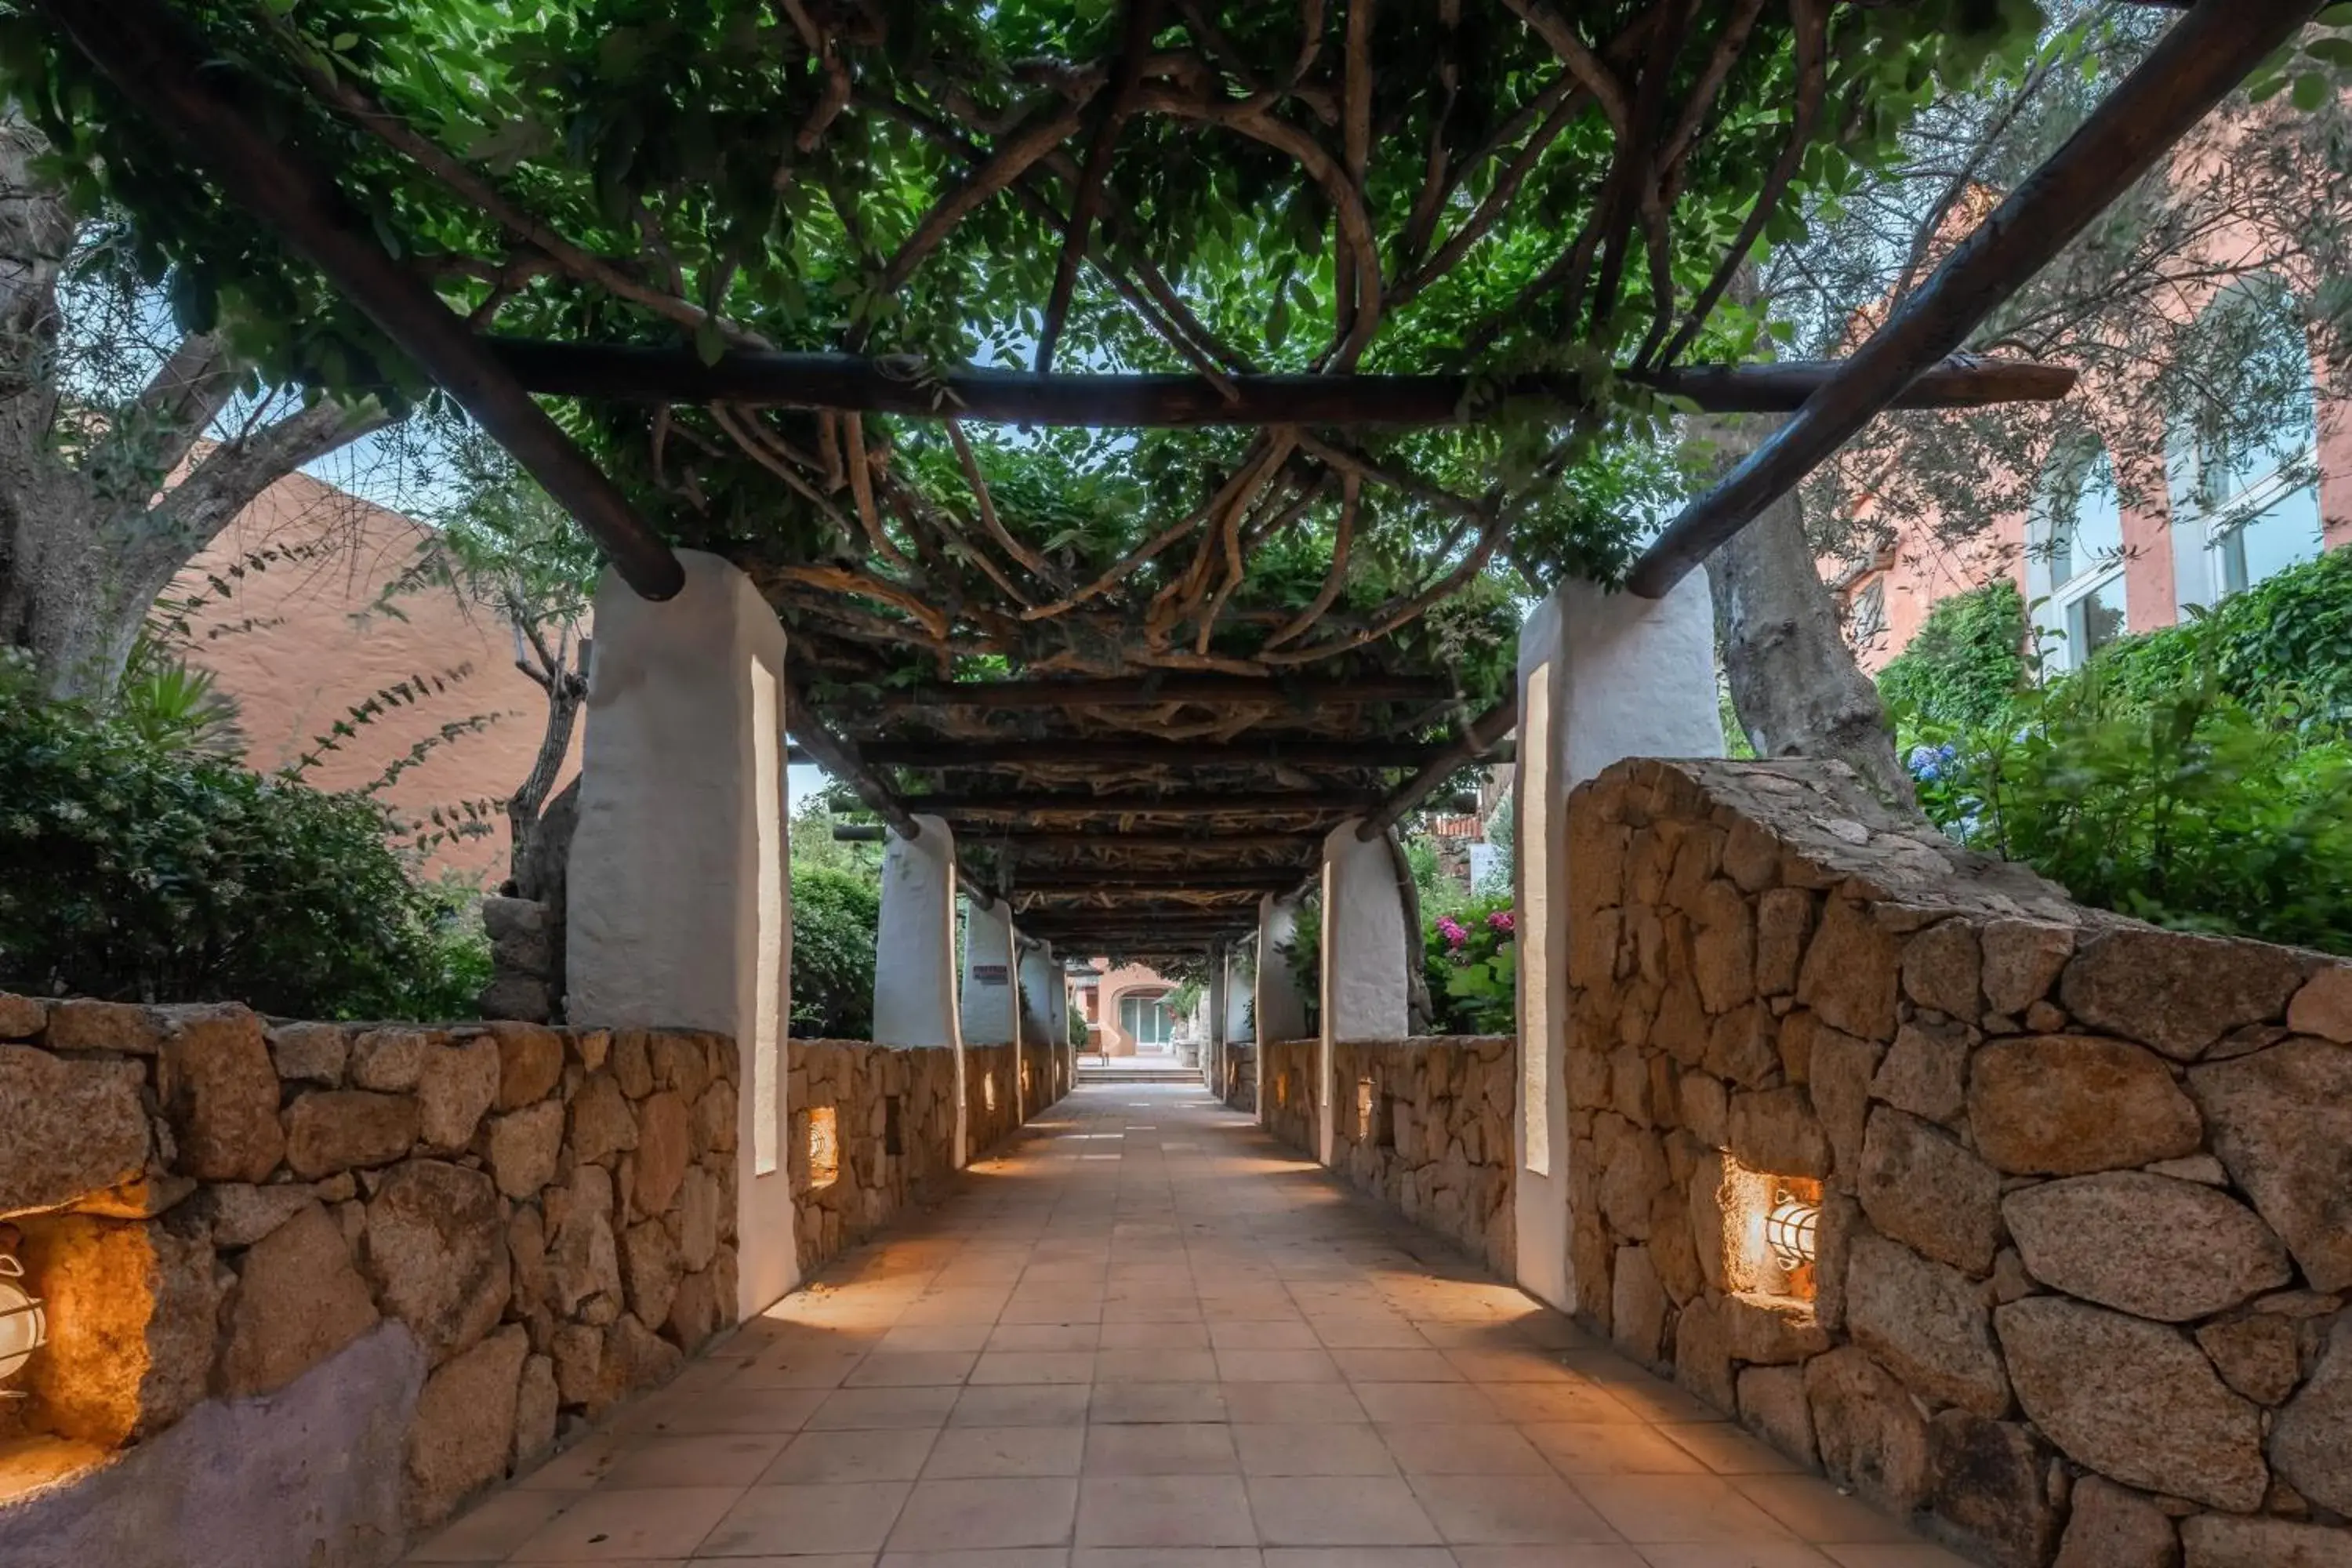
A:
(845, 381)
(2195, 65)
(1153, 691)
(1482, 740)
(201, 99)
(1182, 756)
(957, 806)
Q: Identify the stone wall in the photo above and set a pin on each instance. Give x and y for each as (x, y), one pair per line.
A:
(1044, 1070)
(894, 1131)
(992, 1106)
(2078, 1291)
(1240, 1087)
(434, 1250)
(1424, 1125)
(894, 1122)
(1289, 1087)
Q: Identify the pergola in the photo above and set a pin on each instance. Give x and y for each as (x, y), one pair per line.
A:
(1133, 746)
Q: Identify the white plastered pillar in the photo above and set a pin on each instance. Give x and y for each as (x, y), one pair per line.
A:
(679, 906)
(1238, 1024)
(1038, 974)
(988, 1016)
(1602, 677)
(1281, 1007)
(1213, 1018)
(914, 949)
(1364, 957)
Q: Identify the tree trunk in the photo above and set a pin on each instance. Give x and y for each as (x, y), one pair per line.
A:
(531, 867)
(1794, 681)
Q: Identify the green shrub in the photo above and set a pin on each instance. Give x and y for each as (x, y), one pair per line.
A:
(1965, 664)
(133, 867)
(1471, 964)
(2165, 797)
(2290, 635)
(836, 919)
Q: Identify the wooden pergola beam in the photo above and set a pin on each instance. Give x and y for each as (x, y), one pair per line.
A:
(1481, 741)
(1065, 880)
(957, 806)
(843, 761)
(1182, 756)
(2194, 67)
(1025, 840)
(1153, 691)
(205, 101)
(635, 373)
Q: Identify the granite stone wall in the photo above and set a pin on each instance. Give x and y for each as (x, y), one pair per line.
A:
(2078, 1289)
(1424, 1125)
(1289, 1089)
(991, 1107)
(894, 1125)
(1044, 1070)
(442, 1248)
(1239, 1090)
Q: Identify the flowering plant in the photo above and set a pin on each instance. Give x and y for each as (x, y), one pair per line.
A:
(1472, 968)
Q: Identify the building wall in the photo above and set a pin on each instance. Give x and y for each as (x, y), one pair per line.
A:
(1111, 1038)
(296, 644)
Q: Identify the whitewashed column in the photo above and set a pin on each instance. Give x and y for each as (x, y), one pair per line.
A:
(1037, 989)
(679, 906)
(1602, 677)
(1213, 1019)
(914, 951)
(1281, 1008)
(1364, 956)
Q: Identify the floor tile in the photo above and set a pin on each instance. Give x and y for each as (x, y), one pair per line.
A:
(492, 1530)
(992, 1452)
(1429, 1448)
(622, 1526)
(1511, 1510)
(1339, 1510)
(1814, 1511)
(1155, 1366)
(985, 1514)
(1292, 1404)
(925, 1369)
(1726, 1449)
(1164, 1511)
(1173, 1449)
(1022, 1404)
(851, 1517)
(1157, 1401)
(1396, 1366)
(1611, 1448)
(847, 1409)
(1034, 1367)
(885, 1454)
(1443, 1404)
(1678, 1508)
(1324, 1450)
(723, 1459)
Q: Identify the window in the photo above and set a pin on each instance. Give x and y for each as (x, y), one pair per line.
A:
(2075, 571)
(1145, 1019)
(2246, 492)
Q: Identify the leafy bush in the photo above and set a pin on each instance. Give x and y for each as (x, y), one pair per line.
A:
(2289, 635)
(1966, 663)
(1471, 965)
(2167, 799)
(836, 919)
(134, 867)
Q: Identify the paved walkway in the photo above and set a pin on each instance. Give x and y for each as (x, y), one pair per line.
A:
(1152, 1338)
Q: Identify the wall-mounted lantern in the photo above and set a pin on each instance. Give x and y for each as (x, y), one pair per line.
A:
(24, 1325)
(1789, 1231)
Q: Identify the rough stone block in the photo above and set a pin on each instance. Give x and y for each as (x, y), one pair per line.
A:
(2066, 1105)
(436, 1254)
(2146, 1244)
(2134, 1400)
(78, 1023)
(1942, 968)
(391, 1060)
(2211, 1541)
(310, 1053)
(1927, 1070)
(1870, 1433)
(601, 1123)
(536, 1406)
(345, 1130)
(22, 1017)
(526, 1148)
(531, 1063)
(464, 1436)
(1919, 1186)
(298, 1301)
(71, 1127)
(2311, 1443)
(132, 1308)
(1989, 1482)
(2113, 1527)
(1776, 1131)
(453, 1088)
(663, 1150)
(1850, 972)
(2177, 992)
(2021, 960)
(1926, 1322)
(2256, 1354)
(220, 1094)
(2323, 1006)
(242, 1213)
(1772, 1405)
(2282, 1123)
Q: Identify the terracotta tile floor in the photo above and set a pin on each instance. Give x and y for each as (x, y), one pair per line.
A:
(1152, 1338)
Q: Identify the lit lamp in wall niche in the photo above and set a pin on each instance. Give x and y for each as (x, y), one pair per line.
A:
(1789, 1231)
(24, 1325)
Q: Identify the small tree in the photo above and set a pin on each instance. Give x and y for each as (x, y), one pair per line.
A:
(131, 429)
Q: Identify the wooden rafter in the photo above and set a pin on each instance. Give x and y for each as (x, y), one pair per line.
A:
(1173, 756)
(754, 378)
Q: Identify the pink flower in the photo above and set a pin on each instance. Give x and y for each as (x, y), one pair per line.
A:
(1500, 921)
(1454, 932)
